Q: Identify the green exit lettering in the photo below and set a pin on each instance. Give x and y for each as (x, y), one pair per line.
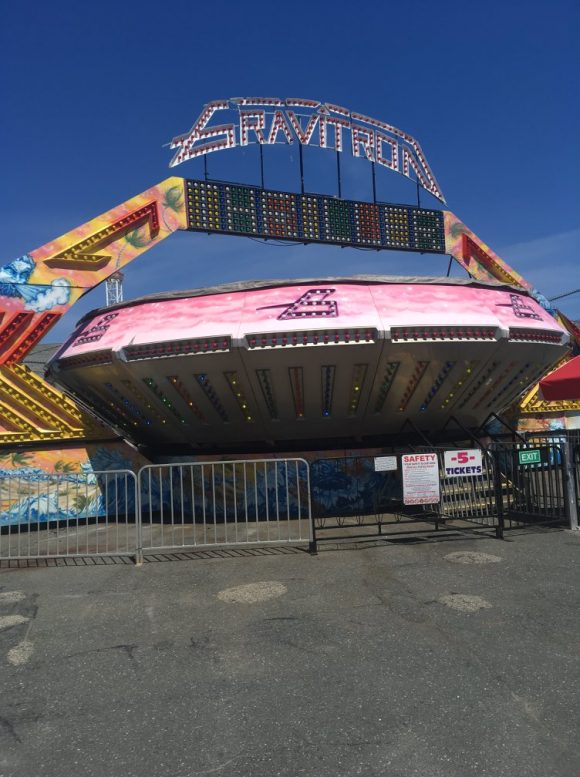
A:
(529, 457)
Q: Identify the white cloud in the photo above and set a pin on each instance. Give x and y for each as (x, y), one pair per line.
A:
(58, 293)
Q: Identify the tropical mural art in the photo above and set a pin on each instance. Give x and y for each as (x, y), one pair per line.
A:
(54, 485)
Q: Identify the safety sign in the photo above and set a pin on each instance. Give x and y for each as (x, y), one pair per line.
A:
(420, 478)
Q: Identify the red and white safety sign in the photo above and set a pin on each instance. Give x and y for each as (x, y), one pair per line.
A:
(463, 464)
(420, 478)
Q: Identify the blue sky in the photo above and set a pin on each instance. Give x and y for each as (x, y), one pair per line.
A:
(91, 92)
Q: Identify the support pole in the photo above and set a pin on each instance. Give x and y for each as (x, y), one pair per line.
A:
(205, 167)
(300, 154)
(338, 175)
(569, 475)
(261, 165)
(499, 529)
(374, 182)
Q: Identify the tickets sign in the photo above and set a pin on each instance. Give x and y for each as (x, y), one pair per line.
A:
(420, 478)
(463, 464)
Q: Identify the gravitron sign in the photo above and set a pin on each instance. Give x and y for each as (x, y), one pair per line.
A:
(241, 121)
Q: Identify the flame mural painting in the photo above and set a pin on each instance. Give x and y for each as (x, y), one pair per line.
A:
(39, 286)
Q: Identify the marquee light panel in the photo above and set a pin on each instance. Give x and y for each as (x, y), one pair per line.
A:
(358, 378)
(205, 385)
(481, 381)
(296, 375)
(308, 218)
(311, 338)
(387, 382)
(522, 378)
(167, 403)
(535, 335)
(466, 375)
(178, 386)
(233, 381)
(492, 388)
(265, 380)
(406, 334)
(328, 373)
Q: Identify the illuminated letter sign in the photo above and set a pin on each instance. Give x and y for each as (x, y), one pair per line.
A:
(270, 120)
(312, 304)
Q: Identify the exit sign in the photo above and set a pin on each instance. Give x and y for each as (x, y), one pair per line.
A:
(529, 457)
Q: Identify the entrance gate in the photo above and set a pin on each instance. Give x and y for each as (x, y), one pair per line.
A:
(352, 500)
(534, 482)
(521, 484)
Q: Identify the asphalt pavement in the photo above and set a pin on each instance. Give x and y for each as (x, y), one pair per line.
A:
(441, 659)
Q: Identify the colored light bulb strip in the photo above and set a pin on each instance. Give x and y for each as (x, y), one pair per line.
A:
(241, 213)
(163, 398)
(296, 375)
(311, 338)
(144, 402)
(386, 384)
(265, 381)
(311, 227)
(437, 383)
(233, 381)
(414, 381)
(170, 348)
(279, 214)
(517, 384)
(493, 386)
(534, 335)
(434, 333)
(204, 205)
(328, 374)
(178, 386)
(86, 360)
(483, 378)
(131, 407)
(205, 384)
(359, 372)
(108, 410)
(367, 224)
(458, 385)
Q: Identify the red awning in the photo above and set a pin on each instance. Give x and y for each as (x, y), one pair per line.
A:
(563, 383)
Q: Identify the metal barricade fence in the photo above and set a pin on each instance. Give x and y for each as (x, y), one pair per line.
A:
(535, 485)
(348, 491)
(242, 502)
(49, 515)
